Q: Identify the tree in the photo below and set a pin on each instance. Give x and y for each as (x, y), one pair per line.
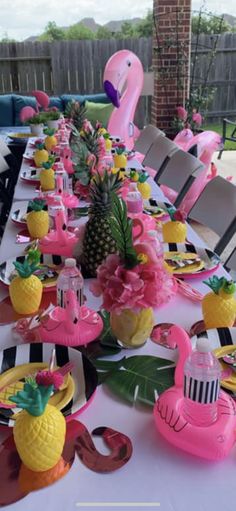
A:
(145, 27)
(103, 33)
(6, 39)
(79, 31)
(52, 32)
(203, 24)
(127, 30)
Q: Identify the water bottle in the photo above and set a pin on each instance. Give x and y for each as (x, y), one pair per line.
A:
(69, 278)
(134, 200)
(53, 208)
(61, 178)
(202, 373)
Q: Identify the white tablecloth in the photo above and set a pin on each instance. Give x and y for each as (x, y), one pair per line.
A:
(157, 472)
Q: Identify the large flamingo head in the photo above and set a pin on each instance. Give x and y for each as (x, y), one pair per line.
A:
(122, 67)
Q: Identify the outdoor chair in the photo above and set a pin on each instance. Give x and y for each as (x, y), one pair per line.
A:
(216, 209)
(159, 154)
(146, 138)
(179, 173)
(230, 263)
(231, 137)
(7, 185)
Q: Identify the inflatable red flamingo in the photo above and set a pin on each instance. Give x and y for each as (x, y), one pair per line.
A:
(213, 442)
(123, 83)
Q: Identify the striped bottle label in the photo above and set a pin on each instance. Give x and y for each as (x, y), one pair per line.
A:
(204, 392)
(61, 296)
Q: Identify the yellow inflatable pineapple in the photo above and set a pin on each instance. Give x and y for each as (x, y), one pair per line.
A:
(50, 141)
(39, 430)
(40, 155)
(143, 187)
(26, 289)
(120, 158)
(219, 306)
(38, 219)
(175, 231)
(47, 175)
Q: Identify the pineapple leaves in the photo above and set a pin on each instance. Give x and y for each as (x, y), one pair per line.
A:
(33, 398)
(121, 228)
(215, 283)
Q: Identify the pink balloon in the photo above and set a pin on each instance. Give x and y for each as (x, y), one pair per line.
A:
(123, 83)
(42, 98)
(26, 113)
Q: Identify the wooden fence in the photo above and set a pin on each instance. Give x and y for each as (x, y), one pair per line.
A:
(77, 67)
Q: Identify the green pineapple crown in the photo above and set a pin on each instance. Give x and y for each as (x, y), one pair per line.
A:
(217, 284)
(33, 398)
(142, 176)
(121, 229)
(37, 204)
(39, 145)
(102, 189)
(120, 150)
(106, 135)
(49, 132)
(76, 112)
(30, 264)
(48, 164)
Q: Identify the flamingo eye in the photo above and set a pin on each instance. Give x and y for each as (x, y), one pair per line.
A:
(129, 63)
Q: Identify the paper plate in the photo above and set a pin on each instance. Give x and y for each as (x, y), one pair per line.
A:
(19, 215)
(223, 342)
(31, 175)
(53, 265)
(19, 137)
(206, 260)
(156, 209)
(83, 374)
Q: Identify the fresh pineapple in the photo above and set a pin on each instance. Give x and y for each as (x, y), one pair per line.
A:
(47, 175)
(26, 289)
(219, 306)
(98, 242)
(50, 141)
(38, 219)
(76, 113)
(40, 155)
(132, 328)
(175, 231)
(39, 431)
(120, 159)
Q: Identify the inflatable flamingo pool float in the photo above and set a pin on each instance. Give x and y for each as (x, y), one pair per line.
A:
(213, 442)
(207, 143)
(123, 69)
(59, 241)
(72, 326)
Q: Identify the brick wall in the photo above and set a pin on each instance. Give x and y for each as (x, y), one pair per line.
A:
(171, 57)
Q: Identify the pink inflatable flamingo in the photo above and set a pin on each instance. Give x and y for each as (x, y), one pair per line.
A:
(60, 241)
(213, 442)
(72, 326)
(122, 68)
(207, 143)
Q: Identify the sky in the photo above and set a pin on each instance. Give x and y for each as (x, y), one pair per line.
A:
(21, 18)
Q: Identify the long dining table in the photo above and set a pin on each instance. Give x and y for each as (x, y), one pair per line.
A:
(158, 475)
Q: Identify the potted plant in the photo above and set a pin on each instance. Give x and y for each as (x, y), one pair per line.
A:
(36, 123)
(51, 118)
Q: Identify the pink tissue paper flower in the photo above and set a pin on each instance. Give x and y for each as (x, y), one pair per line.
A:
(197, 118)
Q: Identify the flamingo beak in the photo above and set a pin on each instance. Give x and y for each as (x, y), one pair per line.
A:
(112, 93)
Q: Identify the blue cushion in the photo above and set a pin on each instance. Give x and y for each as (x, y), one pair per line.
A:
(6, 110)
(66, 98)
(57, 102)
(19, 102)
(94, 98)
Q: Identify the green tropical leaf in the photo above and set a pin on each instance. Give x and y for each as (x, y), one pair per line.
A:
(121, 228)
(137, 379)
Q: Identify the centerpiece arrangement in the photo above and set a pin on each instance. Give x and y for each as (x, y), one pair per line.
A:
(132, 281)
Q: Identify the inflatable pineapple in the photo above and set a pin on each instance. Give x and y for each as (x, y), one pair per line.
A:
(40, 155)
(219, 306)
(142, 185)
(175, 231)
(26, 289)
(38, 219)
(120, 159)
(39, 430)
(47, 176)
(50, 141)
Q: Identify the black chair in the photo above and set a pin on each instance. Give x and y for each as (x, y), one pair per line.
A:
(9, 170)
(231, 137)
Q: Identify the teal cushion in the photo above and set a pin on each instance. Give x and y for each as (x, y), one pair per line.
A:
(57, 102)
(97, 98)
(66, 98)
(19, 102)
(6, 110)
(98, 112)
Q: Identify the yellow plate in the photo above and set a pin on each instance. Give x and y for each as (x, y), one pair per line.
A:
(228, 383)
(12, 381)
(184, 255)
(19, 135)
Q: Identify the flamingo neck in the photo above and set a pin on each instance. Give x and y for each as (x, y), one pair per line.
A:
(185, 349)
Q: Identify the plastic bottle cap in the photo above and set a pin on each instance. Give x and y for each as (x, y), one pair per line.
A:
(203, 345)
(70, 262)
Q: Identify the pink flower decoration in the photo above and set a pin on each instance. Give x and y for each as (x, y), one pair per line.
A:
(87, 126)
(179, 216)
(182, 114)
(48, 378)
(146, 285)
(197, 118)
